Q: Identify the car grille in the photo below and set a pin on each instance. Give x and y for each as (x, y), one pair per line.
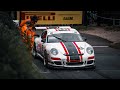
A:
(90, 62)
(57, 63)
(74, 63)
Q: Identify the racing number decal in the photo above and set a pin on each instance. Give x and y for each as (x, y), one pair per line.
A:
(39, 47)
(42, 48)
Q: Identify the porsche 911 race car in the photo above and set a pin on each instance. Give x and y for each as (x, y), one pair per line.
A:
(63, 47)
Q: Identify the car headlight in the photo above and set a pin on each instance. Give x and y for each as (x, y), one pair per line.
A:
(54, 51)
(89, 50)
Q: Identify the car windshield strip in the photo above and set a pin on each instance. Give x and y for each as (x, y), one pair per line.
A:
(59, 38)
(64, 37)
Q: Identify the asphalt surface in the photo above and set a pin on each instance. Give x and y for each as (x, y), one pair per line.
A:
(107, 63)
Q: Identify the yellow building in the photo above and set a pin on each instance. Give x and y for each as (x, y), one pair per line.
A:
(53, 17)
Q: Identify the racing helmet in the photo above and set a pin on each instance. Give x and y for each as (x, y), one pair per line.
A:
(34, 18)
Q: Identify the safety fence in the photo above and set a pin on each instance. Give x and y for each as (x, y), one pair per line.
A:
(92, 18)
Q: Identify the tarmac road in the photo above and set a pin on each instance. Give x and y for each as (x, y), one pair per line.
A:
(107, 63)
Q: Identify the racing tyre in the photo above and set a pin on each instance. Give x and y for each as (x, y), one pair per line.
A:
(34, 52)
(46, 60)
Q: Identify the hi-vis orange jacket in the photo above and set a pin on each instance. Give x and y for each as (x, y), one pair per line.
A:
(30, 34)
(30, 37)
(24, 22)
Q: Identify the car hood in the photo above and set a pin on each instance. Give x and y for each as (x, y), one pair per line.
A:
(69, 47)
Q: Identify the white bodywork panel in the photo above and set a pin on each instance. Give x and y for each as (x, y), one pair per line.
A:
(40, 47)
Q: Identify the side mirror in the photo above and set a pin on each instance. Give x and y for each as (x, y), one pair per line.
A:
(84, 38)
(43, 40)
(37, 35)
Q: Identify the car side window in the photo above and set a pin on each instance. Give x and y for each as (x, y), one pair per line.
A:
(43, 35)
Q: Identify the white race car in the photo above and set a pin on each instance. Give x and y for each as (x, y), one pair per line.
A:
(63, 47)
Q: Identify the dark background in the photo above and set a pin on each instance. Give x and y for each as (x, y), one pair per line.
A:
(104, 8)
(84, 5)
(60, 5)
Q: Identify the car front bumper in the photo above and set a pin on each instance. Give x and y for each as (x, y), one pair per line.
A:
(62, 63)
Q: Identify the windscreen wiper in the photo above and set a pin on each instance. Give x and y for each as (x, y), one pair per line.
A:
(59, 38)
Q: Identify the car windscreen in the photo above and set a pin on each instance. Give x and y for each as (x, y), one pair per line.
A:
(64, 37)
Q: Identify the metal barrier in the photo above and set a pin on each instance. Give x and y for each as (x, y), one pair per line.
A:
(103, 20)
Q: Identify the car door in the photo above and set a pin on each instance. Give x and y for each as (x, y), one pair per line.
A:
(43, 41)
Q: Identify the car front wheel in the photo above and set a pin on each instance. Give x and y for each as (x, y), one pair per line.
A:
(46, 60)
(34, 53)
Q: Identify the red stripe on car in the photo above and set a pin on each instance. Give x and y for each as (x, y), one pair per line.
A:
(53, 58)
(78, 49)
(74, 61)
(66, 51)
(68, 29)
(91, 57)
(56, 29)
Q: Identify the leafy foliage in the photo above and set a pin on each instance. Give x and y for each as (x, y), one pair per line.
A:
(15, 59)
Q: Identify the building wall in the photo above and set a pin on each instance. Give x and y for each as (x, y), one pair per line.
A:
(53, 17)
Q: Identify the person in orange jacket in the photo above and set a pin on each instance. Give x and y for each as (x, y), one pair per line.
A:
(30, 37)
(23, 32)
(25, 24)
(33, 20)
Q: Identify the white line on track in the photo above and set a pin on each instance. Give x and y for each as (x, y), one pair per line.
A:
(100, 46)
